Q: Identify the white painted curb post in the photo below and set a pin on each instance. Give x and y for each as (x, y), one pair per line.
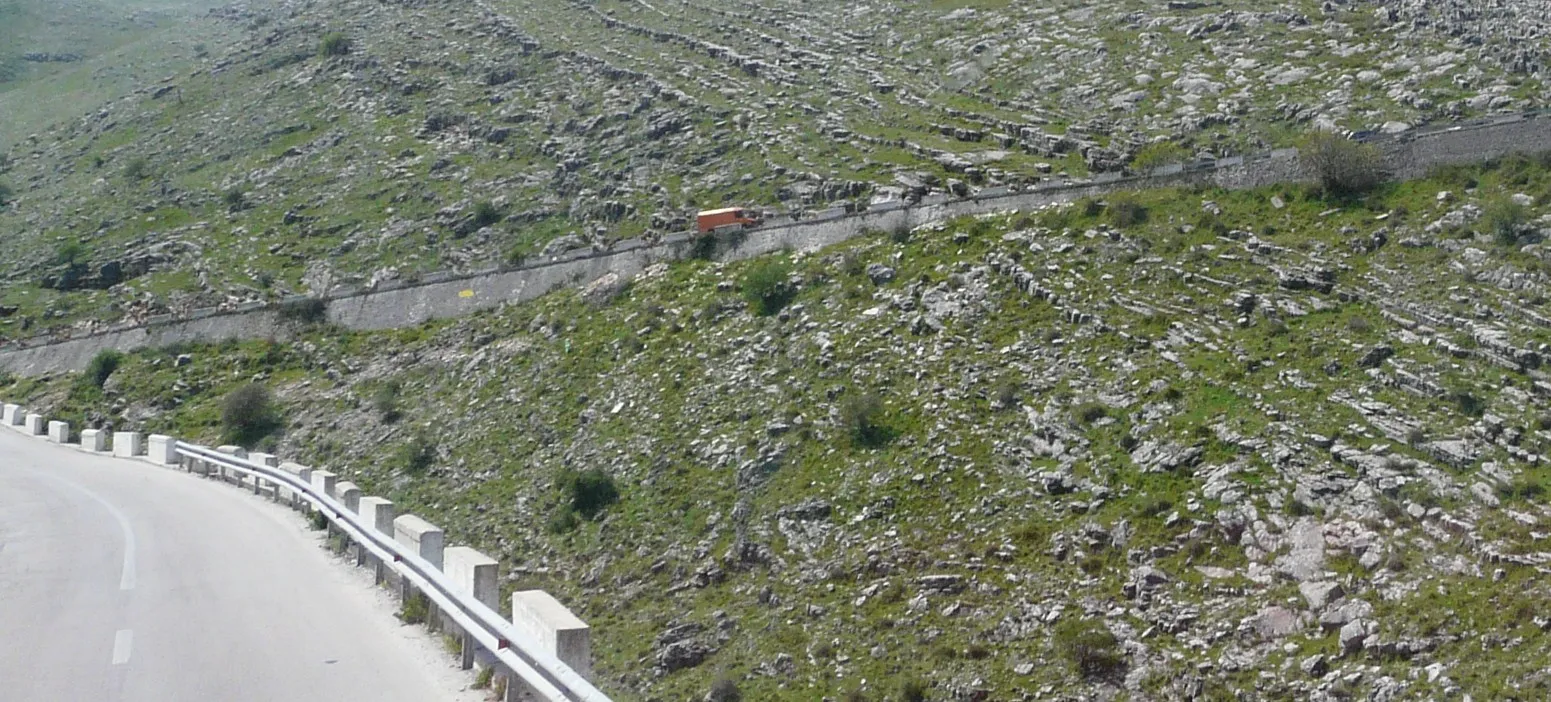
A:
(35, 425)
(378, 513)
(229, 475)
(323, 481)
(268, 461)
(301, 472)
(473, 573)
(94, 440)
(126, 444)
(59, 432)
(542, 617)
(164, 450)
(426, 540)
(13, 415)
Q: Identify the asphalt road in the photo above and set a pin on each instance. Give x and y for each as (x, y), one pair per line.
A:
(121, 581)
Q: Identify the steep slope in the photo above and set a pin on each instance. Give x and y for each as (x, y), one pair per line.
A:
(456, 134)
(1188, 445)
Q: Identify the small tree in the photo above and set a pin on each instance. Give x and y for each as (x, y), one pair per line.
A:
(1125, 212)
(70, 253)
(1342, 167)
(304, 310)
(1504, 220)
(861, 416)
(416, 455)
(102, 367)
(334, 44)
(590, 492)
(486, 214)
(137, 169)
(767, 287)
(1089, 646)
(235, 199)
(386, 401)
(249, 415)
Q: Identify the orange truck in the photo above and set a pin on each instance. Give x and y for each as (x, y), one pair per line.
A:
(711, 220)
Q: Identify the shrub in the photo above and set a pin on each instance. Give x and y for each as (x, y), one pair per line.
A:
(234, 199)
(767, 288)
(415, 609)
(386, 401)
(482, 680)
(6, 193)
(1089, 647)
(137, 169)
(486, 214)
(1089, 412)
(724, 690)
(334, 44)
(1342, 167)
(590, 492)
(1125, 212)
(1469, 404)
(1007, 395)
(912, 691)
(318, 520)
(1504, 220)
(304, 310)
(861, 416)
(70, 253)
(1158, 154)
(563, 521)
(417, 454)
(102, 367)
(249, 415)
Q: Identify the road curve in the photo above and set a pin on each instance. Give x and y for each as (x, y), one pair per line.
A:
(125, 582)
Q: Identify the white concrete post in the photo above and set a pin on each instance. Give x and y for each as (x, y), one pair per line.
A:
(13, 415)
(268, 460)
(230, 475)
(36, 425)
(348, 495)
(163, 450)
(126, 444)
(94, 440)
(377, 513)
(59, 432)
(298, 470)
(542, 617)
(422, 537)
(323, 481)
(474, 573)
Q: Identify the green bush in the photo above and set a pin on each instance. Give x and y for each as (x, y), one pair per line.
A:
(1089, 646)
(249, 415)
(1342, 167)
(386, 401)
(590, 492)
(416, 455)
(334, 44)
(1469, 404)
(1089, 412)
(6, 193)
(304, 310)
(1125, 212)
(234, 199)
(137, 169)
(415, 609)
(102, 367)
(724, 690)
(767, 287)
(1504, 220)
(486, 214)
(911, 691)
(1158, 154)
(70, 253)
(862, 418)
(563, 521)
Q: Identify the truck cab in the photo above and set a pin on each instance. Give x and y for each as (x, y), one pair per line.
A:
(711, 220)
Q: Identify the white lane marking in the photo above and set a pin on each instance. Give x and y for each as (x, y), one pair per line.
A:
(122, 642)
(126, 579)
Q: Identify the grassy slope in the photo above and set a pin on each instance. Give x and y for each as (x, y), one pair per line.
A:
(676, 390)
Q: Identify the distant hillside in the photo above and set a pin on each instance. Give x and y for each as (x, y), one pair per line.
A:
(234, 159)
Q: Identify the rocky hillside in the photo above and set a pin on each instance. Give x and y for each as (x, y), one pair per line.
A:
(285, 146)
(1191, 444)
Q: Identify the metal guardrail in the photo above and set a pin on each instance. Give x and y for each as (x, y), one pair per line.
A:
(542, 671)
